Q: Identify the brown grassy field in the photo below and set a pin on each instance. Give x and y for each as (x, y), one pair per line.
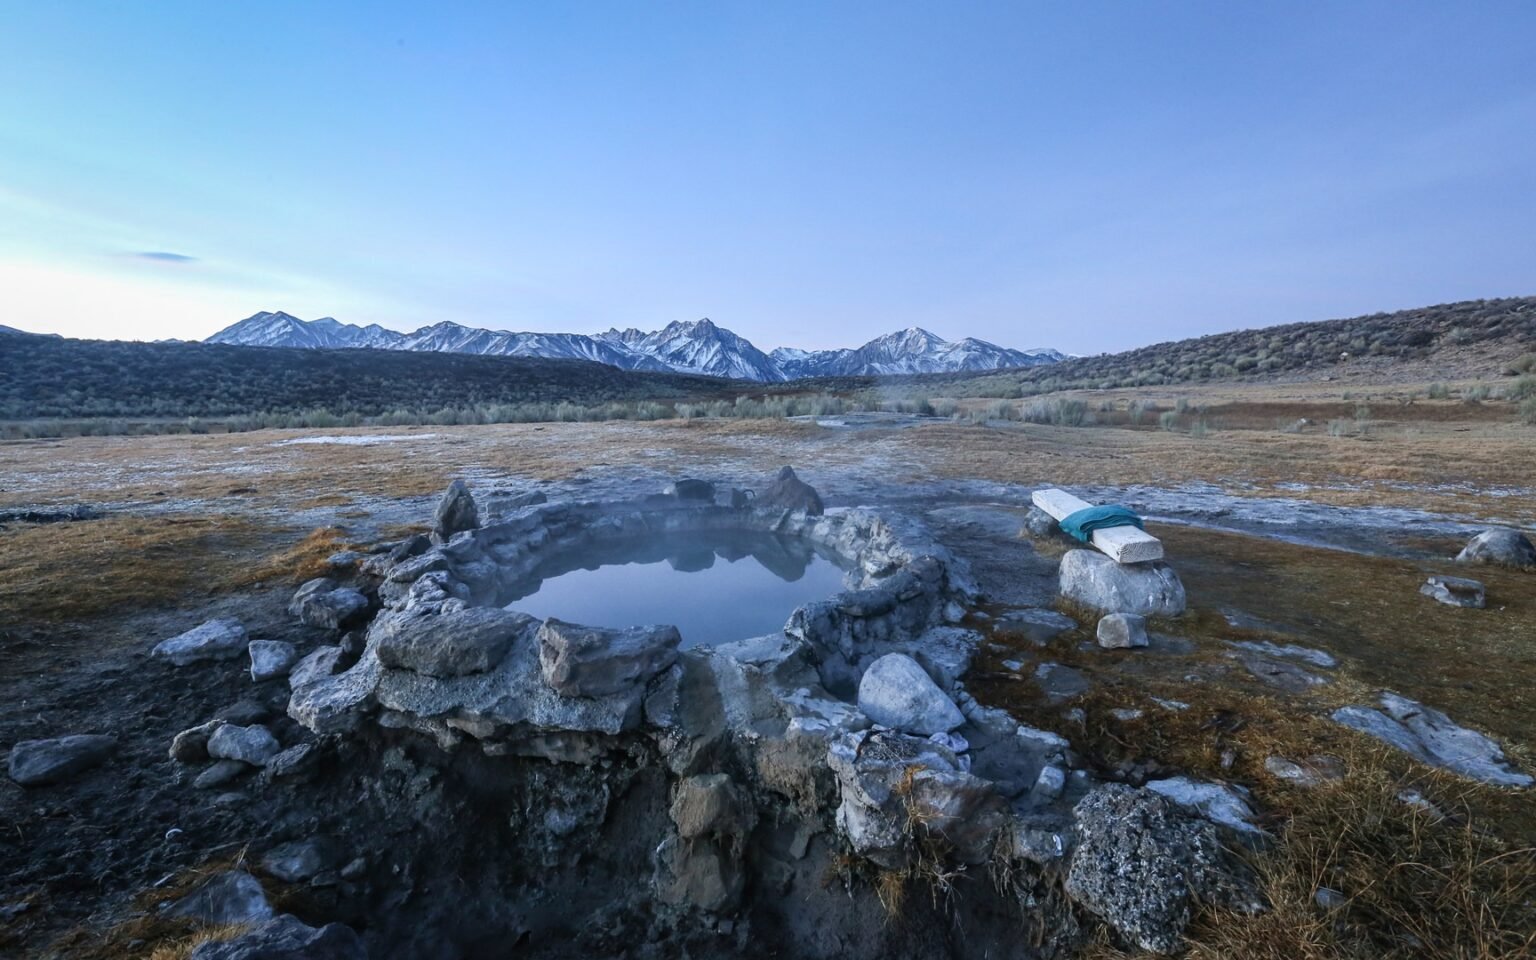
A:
(194, 516)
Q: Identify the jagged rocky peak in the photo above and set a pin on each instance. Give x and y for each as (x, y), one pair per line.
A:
(683, 346)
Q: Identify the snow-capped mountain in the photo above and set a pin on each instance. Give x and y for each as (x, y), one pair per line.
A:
(913, 350)
(697, 346)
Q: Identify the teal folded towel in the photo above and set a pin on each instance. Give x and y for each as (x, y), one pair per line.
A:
(1081, 524)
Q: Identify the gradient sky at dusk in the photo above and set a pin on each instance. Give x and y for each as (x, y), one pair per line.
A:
(1085, 176)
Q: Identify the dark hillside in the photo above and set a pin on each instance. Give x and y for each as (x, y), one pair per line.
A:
(55, 377)
(1469, 334)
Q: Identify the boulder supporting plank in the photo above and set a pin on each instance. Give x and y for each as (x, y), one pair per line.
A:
(1122, 544)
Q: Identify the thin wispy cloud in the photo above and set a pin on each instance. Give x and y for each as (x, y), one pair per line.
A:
(164, 256)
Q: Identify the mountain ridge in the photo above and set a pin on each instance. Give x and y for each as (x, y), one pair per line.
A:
(683, 346)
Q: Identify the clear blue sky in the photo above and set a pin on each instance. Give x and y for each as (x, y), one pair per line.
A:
(1087, 176)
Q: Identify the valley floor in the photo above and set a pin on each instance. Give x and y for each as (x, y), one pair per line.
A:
(1317, 534)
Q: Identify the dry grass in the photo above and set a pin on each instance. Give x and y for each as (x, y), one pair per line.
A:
(303, 561)
(76, 571)
(1432, 455)
(182, 947)
(149, 934)
(1458, 888)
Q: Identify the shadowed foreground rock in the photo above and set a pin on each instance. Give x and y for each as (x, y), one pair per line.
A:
(1141, 866)
(287, 938)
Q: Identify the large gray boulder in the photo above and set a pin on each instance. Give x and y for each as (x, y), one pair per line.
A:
(898, 693)
(1502, 547)
(451, 643)
(456, 512)
(254, 745)
(1141, 865)
(789, 492)
(35, 763)
(221, 639)
(286, 938)
(1094, 580)
(581, 661)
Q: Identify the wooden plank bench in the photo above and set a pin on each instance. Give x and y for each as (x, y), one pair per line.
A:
(1122, 544)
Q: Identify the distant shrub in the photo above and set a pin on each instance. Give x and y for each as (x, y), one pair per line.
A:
(1439, 391)
(1168, 420)
(1525, 363)
(1475, 395)
(1003, 410)
(1528, 410)
(1057, 412)
(1521, 389)
(1198, 429)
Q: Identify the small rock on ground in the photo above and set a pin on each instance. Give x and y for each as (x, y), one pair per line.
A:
(1455, 591)
(271, 659)
(35, 763)
(254, 745)
(221, 639)
(1121, 631)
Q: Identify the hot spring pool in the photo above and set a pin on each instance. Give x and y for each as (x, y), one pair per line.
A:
(715, 587)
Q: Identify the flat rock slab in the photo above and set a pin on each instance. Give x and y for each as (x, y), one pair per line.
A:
(1290, 651)
(1216, 802)
(221, 639)
(1455, 591)
(581, 661)
(35, 763)
(452, 643)
(1281, 675)
(1431, 737)
(1036, 626)
(1060, 683)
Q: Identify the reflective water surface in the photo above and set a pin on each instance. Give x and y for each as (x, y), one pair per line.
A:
(715, 587)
